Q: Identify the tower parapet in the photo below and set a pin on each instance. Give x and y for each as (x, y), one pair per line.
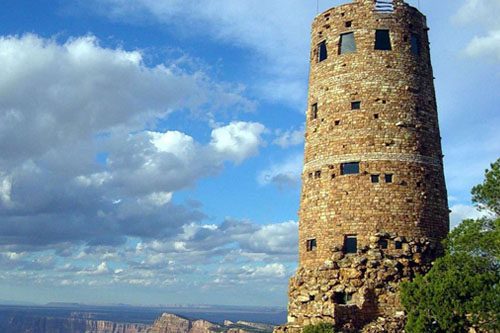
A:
(373, 191)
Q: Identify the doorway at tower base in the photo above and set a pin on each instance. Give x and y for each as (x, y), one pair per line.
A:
(358, 292)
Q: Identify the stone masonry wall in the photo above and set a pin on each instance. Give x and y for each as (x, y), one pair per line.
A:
(394, 132)
(375, 108)
(353, 290)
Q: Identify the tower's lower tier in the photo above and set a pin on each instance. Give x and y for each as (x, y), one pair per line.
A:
(351, 291)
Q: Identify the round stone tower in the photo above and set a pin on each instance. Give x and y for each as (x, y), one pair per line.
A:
(373, 159)
(373, 204)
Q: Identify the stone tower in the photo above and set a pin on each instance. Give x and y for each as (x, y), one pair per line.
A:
(374, 204)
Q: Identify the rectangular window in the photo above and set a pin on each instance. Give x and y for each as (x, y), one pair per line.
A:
(314, 111)
(398, 245)
(347, 43)
(342, 298)
(415, 44)
(317, 174)
(384, 244)
(350, 168)
(388, 178)
(311, 244)
(351, 244)
(355, 105)
(322, 51)
(375, 178)
(382, 40)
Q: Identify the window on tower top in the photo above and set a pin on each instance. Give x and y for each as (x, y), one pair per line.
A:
(382, 40)
(347, 43)
(322, 51)
(415, 44)
(314, 111)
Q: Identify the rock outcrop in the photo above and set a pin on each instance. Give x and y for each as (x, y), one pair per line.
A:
(170, 323)
(358, 292)
(23, 323)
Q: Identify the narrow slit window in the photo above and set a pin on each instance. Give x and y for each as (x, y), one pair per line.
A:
(383, 40)
(311, 245)
(314, 111)
(356, 105)
(322, 51)
(317, 174)
(350, 168)
(351, 244)
(375, 178)
(415, 44)
(389, 178)
(347, 43)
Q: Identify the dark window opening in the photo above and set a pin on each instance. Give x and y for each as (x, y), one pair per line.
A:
(350, 168)
(351, 244)
(333, 176)
(347, 43)
(375, 116)
(317, 174)
(355, 105)
(314, 111)
(322, 51)
(311, 245)
(342, 298)
(348, 24)
(310, 175)
(375, 178)
(337, 122)
(382, 40)
(415, 44)
(398, 245)
(383, 243)
(388, 178)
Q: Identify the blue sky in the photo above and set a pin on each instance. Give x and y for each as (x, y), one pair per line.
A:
(151, 150)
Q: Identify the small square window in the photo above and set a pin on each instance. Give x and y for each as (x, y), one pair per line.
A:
(350, 168)
(383, 40)
(348, 24)
(317, 174)
(347, 43)
(355, 105)
(342, 298)
(322, 51)
(384, 244)
(351, 244)
(375, 116)
(375, 178)
(415, 44)
(314, 111)
(388, 178)
(337, 122)
(311, 245)
(398, 245)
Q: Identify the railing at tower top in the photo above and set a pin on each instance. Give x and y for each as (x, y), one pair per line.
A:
(384, 6)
